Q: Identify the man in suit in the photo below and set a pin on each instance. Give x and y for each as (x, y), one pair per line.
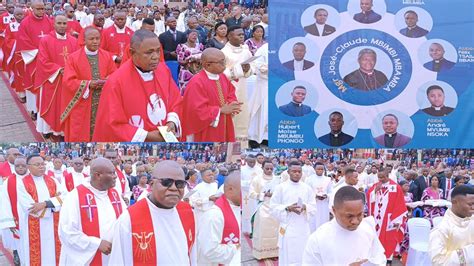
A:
(336, 137)
(366, 77)
(446, 181)
(439, 63)
(391, 138)
(320, 26)
(435, 96)
(421, 183)
(299, 63)
(412, 30)
(170, 39)
(367, 15)
(296, 107)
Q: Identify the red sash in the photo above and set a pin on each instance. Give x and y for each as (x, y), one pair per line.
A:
(70, 181)
(12, 194)
(90, 216)
(143, 233)
(121, 178)
(231, 233)
(34, 223)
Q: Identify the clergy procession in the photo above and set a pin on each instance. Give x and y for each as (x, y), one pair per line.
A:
(176, 204)
(125, 72)
(358, 206)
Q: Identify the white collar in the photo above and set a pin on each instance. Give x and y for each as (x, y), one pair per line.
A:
(212, 76)
(90, 52)
(120, 30)
(437, 108)
(61, 37)
(145, 76)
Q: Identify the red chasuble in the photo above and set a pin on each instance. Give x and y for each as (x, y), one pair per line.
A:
(73, 26)
(5, 20)
(76, 102)
(231, 233)
(201, 104)
(395, 209)
(115, 42)
(90, 215)
(143, 233)
(9, 46)
(5, 170)
(32, 29)
(52, 56)
(34, 223)
(123, 108)
(13, 195)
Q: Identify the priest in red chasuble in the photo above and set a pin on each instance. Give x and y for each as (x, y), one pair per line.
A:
(32, 29)
(84, 77)
(210, 102)
(159, 229)
(116, 38)
(387, 205)
(87, 217)
(54, 51)
(132, 113)
(73, 26)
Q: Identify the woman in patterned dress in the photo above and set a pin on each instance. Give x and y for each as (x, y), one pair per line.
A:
(189, 59)
(257, 39)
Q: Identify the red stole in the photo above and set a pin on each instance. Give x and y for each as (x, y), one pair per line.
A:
(121, 178)
(90, 215)
(34, 223)
(143, 233)
(5, 170)
(395, 208)
(68, 178)
(13, 195)
(231, 233)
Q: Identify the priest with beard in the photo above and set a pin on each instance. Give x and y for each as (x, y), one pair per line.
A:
(134, 114)
(210, 102)
(84, 77)
(88, 215)
(54, 50)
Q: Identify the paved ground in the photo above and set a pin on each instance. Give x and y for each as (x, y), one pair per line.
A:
(15, 125)
(5, 256)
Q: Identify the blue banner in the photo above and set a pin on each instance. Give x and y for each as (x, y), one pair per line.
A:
(361, 73)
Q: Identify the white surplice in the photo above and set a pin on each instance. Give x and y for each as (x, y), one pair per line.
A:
(247, 174)
(200, 199)
(25, 200)
(210, 251)
(7, 220)
(321, 186)
(78, 179)
(333, 245)
(451, 235)
(294, 229)
(170, 239)
(76, 247)
(258, 104)
(308, 170)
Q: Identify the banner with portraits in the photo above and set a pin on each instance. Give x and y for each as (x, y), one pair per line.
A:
(371, 73)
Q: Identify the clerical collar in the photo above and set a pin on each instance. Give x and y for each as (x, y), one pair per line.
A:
(438, 61)
(146, 76)
(95, 190)
(88, 52)
(297, 104)
(366, 73)
(61, 37)
(437, 108)
(410, 28)
(36, 177)
(119, 30)
(336, 134)
(212, 76)
(391, 135)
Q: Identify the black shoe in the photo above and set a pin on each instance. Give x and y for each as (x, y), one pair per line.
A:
(33, 116)
(16, 258)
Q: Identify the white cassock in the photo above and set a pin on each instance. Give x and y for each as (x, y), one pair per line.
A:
(78, 179)
(46, 223)
(308, 170)
(294, 229)
(321, 186)
(453, 234)
(258, 105)
(234, 56)
(210, 251)
(362, 180)
(200, 199)
(76, 247)
(58, 175)
(265, 226)
(247, 174)
(333, 245)
(7, 220)
(171, 242)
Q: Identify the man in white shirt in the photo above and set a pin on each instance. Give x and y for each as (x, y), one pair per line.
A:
(80, 13)
(159, 23)
(349, 239)
(137, 24)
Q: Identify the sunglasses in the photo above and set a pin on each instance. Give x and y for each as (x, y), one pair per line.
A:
(168, 182)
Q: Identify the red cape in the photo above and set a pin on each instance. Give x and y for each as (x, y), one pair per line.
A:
(200, 108)
(52, 56)
(124, 108)
(396, 208)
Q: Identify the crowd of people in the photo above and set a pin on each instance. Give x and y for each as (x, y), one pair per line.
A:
(199, 72)
(90, 206)
(305, 206)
